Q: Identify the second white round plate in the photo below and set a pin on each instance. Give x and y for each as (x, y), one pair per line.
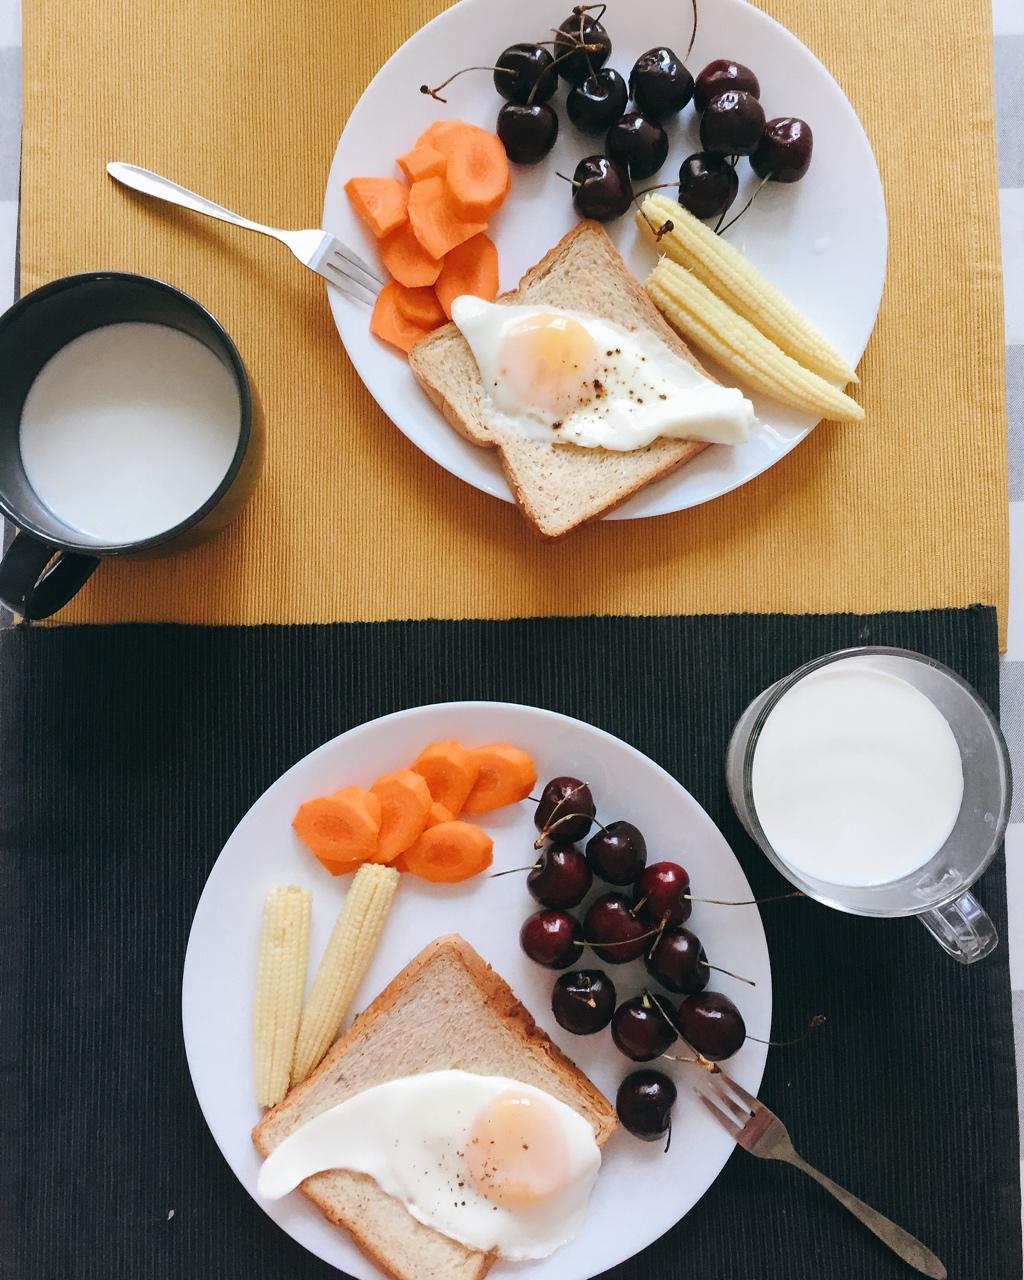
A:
(821, 240)
(641, 1191)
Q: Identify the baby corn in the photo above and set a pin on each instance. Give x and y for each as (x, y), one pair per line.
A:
(714, 327)
(280, 983)
(343, 964)
(729, 275)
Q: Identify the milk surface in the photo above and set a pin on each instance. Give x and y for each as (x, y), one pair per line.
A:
(856, 777)
(128, 430)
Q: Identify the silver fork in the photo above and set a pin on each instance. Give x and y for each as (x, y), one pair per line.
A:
(762, 1133)
(318, 250)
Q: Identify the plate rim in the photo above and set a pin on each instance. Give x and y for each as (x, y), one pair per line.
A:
(499, 487)
(188, 977)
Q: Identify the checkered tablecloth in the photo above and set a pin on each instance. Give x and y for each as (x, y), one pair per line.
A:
(1008, 16)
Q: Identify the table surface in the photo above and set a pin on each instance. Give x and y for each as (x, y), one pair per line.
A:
(1008, 22)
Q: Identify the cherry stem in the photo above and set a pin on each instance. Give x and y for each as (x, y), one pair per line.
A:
(747, 902)
(561, 58)
(717, 968)
(566, 817)
(668, 1140)
(512, 871)
(622, 942)
(815, 1022)
(693, 36)
(574, 184)
(720, 230)
(643, 212)
(700, 1061)
(436, 92)
(660, 186)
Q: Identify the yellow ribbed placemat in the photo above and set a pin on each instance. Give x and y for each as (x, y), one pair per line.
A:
(246, 101)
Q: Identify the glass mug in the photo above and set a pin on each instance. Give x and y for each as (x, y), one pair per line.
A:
(937, 892)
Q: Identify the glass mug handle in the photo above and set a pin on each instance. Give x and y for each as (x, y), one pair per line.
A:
(962, 929)
(33, 586)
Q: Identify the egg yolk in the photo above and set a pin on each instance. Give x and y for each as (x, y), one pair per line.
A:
(516, 1153)
(549, 362)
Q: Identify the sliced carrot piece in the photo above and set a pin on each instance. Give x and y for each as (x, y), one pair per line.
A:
(421, 162)
(471, 267)
(506, 775)
(449, 770)
(437, 813)
(389, 322)
(476, 170)
(420, 306)
(405, 802)
(337, 829)
(450, 852)
(366, 798)
(435, 131)
(407, 260)
(380, 202)
(435, 221)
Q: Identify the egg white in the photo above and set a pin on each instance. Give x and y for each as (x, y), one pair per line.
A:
(641, 389)
(408, 1133)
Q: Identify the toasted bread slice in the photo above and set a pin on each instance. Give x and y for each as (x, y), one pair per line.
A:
(558, 486)
(446, 1009)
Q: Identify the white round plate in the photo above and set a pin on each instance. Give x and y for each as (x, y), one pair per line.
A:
(641, 1192)
(821, 240)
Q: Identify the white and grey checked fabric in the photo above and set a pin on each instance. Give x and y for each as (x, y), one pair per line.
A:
(1009, 65)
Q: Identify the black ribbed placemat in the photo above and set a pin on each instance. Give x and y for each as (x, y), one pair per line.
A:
(131, 752)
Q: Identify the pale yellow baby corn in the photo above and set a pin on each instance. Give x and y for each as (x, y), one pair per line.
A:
(344, 962)
(729, 275)
(280, 983)
(714, 327)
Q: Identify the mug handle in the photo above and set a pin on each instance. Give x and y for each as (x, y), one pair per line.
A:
(33, 586)
(962, 929)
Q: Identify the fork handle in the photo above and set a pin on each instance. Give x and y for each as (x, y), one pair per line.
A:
(901, 1242)
(152, 184)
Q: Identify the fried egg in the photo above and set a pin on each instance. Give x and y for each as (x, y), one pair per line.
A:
(486, 1160)
(577, 379)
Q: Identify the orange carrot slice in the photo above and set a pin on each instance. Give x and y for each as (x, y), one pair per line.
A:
(476, 169)
(506, 775)
(421, 162)
(449, 770)
(434, 132)
(407, 260)
(435, 221)
(420, 306)
(380, 202)
(337, 829)
(390, 323)
(471, 267)
(405, 802)
(437, 813)
(450, 852)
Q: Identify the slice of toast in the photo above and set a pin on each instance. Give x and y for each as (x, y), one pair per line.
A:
(558, 486)
(447, 1009)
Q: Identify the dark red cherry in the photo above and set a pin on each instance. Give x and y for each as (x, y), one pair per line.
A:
(678, 961)
(707, 184)
(659, 83)
(561, 878)
(527, 130)
(613, 931)
(784, 152)
(617, 853)
(569, 803)
(720, 75)
(576, 62)
(644, 1103)
(583, 1001)
(638, 144)
(525, 72)
(553, 939)
(598, 101)
(643, 1028)
(712, 1024)
(732, 123)
(660, 894)
(602, 191)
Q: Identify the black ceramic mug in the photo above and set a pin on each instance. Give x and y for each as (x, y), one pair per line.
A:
(49, 559)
